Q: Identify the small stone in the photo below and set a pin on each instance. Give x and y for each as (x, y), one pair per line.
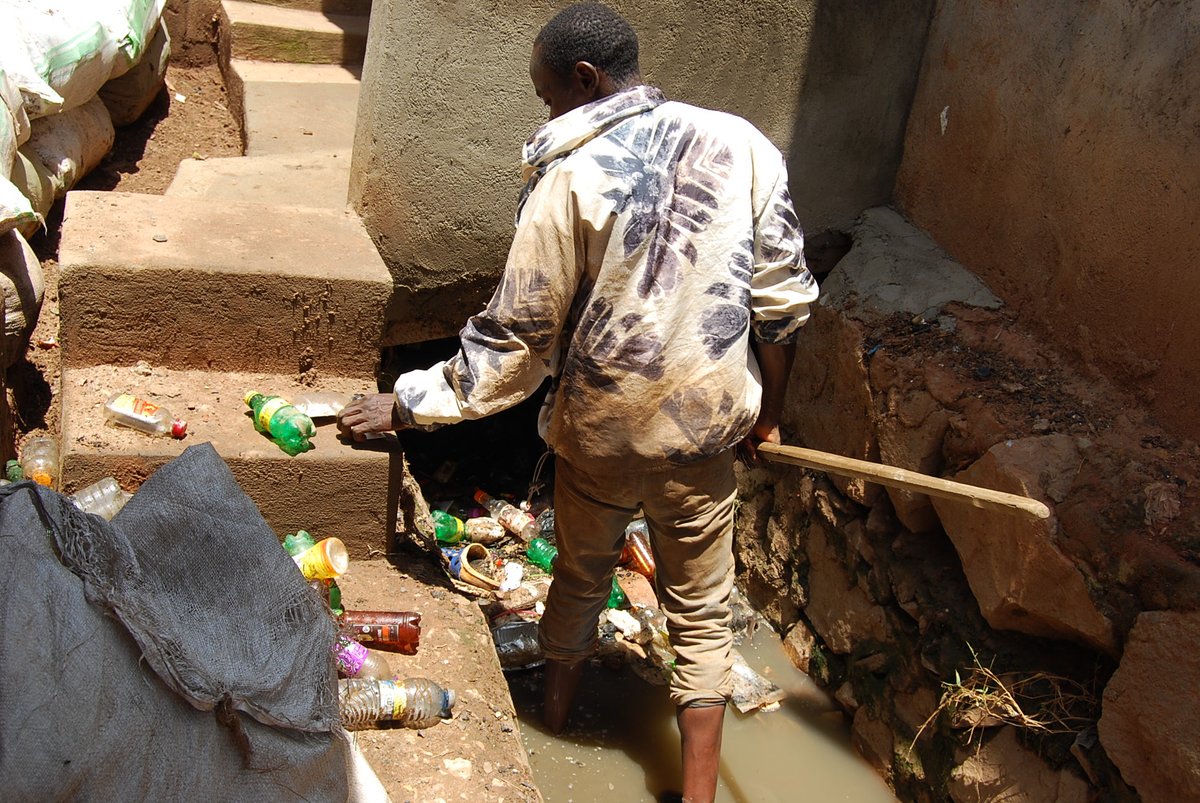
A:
(159, 238)
(983, 372)
(142, 368)
(1041, 425)
(506, 728)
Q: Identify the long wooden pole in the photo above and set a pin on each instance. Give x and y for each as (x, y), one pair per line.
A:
(908, 480)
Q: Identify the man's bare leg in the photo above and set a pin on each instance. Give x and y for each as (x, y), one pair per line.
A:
(562, 681)
(700, 733)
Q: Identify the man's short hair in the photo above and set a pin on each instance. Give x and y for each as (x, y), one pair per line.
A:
(593, 33)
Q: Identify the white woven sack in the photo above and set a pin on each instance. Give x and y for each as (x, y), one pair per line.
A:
(14, 122)
(70, 50)
(15, 209)
(70, 144)
(23, 288)
(128, 97)
(132, 24)
(34, 181)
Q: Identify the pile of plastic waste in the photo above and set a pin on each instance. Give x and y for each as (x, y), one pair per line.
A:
(505, 552)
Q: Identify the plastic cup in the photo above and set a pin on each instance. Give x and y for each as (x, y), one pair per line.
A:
(324, 560)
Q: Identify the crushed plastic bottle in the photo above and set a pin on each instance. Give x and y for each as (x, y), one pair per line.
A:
(413, 703)
(325, 560)
(515, 520)
(298, 543)
(291, 429)
(447, 529)
(103, 498)
(321, 403)
(394, 631)
(354, 660)
(127, 410)
(483, 530)
(39, 461)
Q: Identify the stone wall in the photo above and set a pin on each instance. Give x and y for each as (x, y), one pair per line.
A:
(446, 104)
(891, 599)
(1051, 148)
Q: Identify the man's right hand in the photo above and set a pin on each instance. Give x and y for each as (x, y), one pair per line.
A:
(374, 413)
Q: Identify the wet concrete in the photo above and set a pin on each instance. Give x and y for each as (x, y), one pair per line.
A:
(622, 743)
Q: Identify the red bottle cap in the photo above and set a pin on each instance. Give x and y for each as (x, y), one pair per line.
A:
(178, 428)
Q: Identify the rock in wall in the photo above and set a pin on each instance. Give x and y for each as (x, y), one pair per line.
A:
(897, 603)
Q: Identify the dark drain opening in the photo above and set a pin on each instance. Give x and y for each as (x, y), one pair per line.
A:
(498, 454)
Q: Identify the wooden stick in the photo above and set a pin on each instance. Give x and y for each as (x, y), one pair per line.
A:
(908, 480)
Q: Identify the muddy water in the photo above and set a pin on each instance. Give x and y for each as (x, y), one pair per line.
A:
(622, 743)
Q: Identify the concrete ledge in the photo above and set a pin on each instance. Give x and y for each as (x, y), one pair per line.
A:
(335, 489)
(319, 180)
(282, 72)
(185, 282)
(271, 33)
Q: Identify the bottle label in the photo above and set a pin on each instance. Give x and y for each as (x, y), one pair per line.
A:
(350, 656)
(391, 698)
(269, 409)
(132, 406)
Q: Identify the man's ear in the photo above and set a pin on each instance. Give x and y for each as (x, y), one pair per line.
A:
(587, 76)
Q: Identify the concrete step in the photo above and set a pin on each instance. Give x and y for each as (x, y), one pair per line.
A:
(272, 33)
(188, 283)
(313, 180)
(335, 489)
(359, 7)
(293, 108)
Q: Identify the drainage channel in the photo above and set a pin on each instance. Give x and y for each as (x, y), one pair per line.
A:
(622, 743)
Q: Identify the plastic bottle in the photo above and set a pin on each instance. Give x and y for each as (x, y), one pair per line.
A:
(39, 461)
(515, 520)
(448, 529)
(394, 631)
(13, 471)
(355, 661)
(413, 703)
(298, 543)
(128, 410)
(324, 560)
(483, 530)
(541, 553)
(103, 498)
(637, 554)
(321, 403)
(291, 429)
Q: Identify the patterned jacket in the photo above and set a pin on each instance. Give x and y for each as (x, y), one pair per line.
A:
(654, 239)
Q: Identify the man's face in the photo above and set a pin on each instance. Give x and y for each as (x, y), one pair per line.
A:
(562, 93)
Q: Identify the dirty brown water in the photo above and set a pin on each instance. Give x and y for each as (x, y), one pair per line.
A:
(622, 743)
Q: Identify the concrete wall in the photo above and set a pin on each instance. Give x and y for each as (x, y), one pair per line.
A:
(446, 104)
(1054, 149)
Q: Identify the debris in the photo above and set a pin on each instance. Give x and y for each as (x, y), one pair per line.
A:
(291, 429)
(39, 461)
(413, 703)
(159, 238)
(751, 691)
(127, 410)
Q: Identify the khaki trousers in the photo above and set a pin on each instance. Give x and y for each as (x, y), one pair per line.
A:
(689, 513)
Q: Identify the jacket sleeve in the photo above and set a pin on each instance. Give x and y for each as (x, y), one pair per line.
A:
(507, 349)
(781, 288)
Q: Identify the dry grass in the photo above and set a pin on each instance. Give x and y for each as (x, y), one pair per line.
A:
(1037, 701)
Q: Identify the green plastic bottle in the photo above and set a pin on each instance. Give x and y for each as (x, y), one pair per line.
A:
(298, 542)
(291, 429)
(13, 471)
(447, 528)
(541, 553)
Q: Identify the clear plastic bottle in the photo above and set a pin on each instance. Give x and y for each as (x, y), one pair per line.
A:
(321, 403)
(448, 529)
(39, 461)
(354, 660)
(291, 429)
(413, 703)
(128, 410)
(515, 520)
(103, 498)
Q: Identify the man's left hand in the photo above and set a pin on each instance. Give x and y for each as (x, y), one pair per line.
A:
(374, 413)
